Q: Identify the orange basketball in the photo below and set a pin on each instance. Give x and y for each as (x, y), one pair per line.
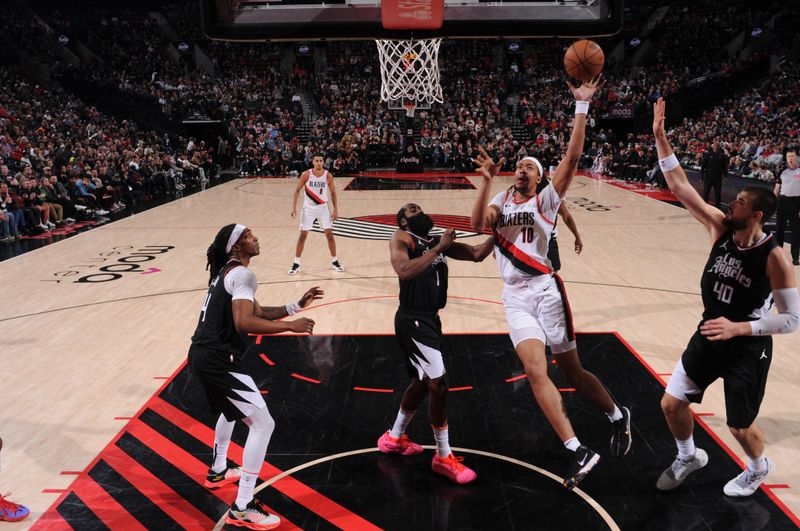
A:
(584, 60)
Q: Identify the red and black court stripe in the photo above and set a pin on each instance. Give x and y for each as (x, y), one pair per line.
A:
(151, 477)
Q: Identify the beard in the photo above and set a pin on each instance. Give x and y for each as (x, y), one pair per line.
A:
(421, 224)
(733, 224)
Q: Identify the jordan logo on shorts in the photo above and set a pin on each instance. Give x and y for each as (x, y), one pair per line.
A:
(763, 354)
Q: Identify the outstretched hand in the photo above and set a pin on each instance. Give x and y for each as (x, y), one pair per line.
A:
(486, 166)
(311, 295)
(658, 118)
(587, 89)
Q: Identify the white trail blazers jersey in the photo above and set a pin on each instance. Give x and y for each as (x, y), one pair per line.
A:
(522, 234)
(316, 189)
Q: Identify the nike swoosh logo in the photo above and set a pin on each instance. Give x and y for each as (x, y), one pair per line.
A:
(583, 461)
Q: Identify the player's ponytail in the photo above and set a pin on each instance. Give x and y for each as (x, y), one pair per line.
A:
(216, 255)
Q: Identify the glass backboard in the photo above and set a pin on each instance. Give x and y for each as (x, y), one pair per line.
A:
(302, 20)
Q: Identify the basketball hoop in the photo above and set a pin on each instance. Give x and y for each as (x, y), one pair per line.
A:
(410, 107)
(410, 73)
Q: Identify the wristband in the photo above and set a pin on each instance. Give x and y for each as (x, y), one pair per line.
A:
(293, 307)
(669, 163)
(581, 107)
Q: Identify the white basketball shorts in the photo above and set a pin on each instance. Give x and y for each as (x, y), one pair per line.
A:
(538, 309)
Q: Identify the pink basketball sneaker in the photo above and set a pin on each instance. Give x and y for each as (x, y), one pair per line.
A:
(453, 469)
(403, 445)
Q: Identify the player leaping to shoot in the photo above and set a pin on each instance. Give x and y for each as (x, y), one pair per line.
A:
(535, 301)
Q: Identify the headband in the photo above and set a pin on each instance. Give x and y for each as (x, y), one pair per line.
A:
(235, 235)
(535, 161)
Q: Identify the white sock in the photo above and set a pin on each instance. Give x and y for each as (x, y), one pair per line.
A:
(334, 259)
(247, 484)
(572, 444)
(686, 449)
(255, 450)
(442, 440)
(758, 465)
(614, 415)
(222, 439)
(401, 423)
(297, 260)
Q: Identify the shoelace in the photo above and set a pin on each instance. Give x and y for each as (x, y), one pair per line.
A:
(259, 508)
(455, 462)
(680, 463)
(8, 505)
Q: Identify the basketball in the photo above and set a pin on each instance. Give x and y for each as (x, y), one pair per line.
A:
(584, 60)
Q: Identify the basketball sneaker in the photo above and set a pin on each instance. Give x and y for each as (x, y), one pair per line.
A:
(453, 468)
(253, 516)
(621, 434)
(215, 480)
(746, 483)
(680, 469)
(336, 266)
(10, 511)
(582, 462)
(402, 445)
(295, 269)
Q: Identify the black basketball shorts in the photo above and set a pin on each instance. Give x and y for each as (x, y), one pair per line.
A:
(743, 364)
(420, 338)
(229, 389)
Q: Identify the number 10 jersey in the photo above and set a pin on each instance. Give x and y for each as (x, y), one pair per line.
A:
(522, 234)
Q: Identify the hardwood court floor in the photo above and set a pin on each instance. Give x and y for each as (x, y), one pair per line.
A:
(82, 348)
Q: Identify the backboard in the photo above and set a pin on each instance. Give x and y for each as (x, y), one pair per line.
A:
(304, 20)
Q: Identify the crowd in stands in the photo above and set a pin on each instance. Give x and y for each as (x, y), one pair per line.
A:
(64, 160)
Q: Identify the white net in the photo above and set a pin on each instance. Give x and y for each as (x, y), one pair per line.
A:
(410, 72)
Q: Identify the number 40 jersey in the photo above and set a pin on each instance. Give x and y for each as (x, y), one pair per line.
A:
(735, 284)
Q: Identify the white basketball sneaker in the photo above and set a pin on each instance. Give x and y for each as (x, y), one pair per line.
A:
(680, 469)
(746, 483)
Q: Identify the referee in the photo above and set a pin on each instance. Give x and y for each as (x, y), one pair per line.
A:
(787, 189)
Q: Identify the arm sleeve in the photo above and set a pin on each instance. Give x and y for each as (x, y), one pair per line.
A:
(241, 283)
(787, 301)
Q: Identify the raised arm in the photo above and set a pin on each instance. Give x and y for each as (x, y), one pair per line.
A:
(566, 169)
(470, 253)
(406, 267)
(710, 217)
(300, 184)
(483, 214)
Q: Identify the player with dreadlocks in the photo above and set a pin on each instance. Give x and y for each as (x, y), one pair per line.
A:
(230, 310)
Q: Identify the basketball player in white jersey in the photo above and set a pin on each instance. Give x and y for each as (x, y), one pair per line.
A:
(535, 302)
(319, 191)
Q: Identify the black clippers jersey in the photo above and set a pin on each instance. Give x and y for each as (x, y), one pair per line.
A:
(735, 283)
(215, 328)
(426, 292)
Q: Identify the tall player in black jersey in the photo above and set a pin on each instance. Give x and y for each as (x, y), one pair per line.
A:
(421, 264)
(746, 271)
(229, 311)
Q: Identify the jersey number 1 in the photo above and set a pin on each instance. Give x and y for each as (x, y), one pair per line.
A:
(208, 299)
(724, 292)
